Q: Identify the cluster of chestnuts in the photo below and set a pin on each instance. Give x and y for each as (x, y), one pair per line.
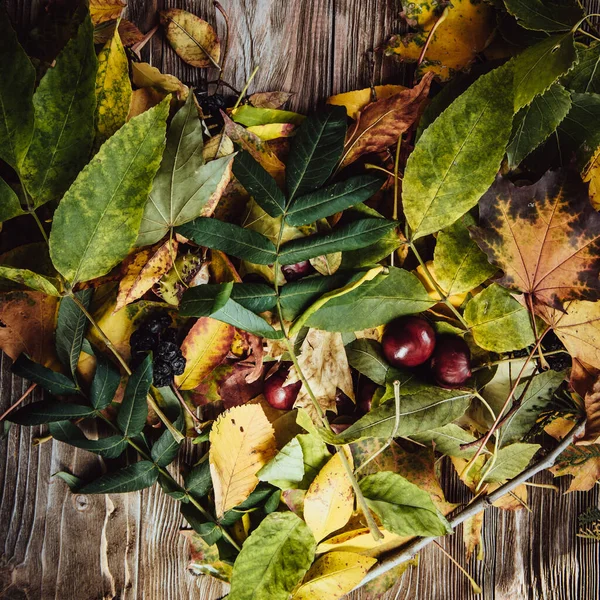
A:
(407, 343)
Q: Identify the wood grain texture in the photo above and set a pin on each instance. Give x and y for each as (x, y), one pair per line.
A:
(56, 545)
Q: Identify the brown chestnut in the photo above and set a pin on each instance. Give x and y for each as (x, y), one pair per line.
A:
(451, 361)
(408, 342)
(364, 396)
(278, 395)
(297, 270)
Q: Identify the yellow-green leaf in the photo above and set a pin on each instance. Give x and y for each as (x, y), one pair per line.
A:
(106, 10)
(333, 576)
(241, 442)
(113, 89)
(329, 502)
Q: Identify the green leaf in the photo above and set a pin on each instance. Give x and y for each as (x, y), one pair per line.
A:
(259, 184)
(74, 483)
(539, 66)
(10, 207)
(420, 411)
(231, 239)
(242, 318)
(105, 383)
(55, 383)
(367, 358)
(534, 123)
(64, 102)
(251, 116)
(498, 322)
(17, 78)
(402, 507)
(70, 328)
(447, 440)
(286, 467)
(96, 223)
(35, 281)
(458, 263)
(184, 187)
(108, 447)
(329, 200)
(297, 296)
(314, 454)
(48, 411)
(510, 462)
(347, 237)
(204, 300)
(534, 396)
(166, 447)
(371, 255)
(374, 303)
(585, 75)
(133, 411)
(132, 478)
(542, 15)
(578, 133)
(457, 157)
(257, 297)
(273, 560)
(209, 531)
(315, 150)
(198, 481)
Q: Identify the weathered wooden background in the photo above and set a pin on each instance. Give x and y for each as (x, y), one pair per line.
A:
(69, 547)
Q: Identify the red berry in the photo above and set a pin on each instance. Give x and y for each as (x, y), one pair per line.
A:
(296, 271)
(280, 396)
(366, 391)
(408, 342)
(451, 361)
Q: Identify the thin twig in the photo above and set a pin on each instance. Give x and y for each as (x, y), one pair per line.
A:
(225, 16)
(11, 408)
(245, 89)
(408, 551)
(184, 404)
(431, 34)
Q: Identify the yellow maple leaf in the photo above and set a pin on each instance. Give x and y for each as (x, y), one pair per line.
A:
(241, 442)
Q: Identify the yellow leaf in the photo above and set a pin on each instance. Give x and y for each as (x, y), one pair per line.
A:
(194, 40)
(356, 100)
(362, 541)
(329, 501)
(113, 89)
(456, 300)
(217, 147)
(591, 175)
(241, 442)
(472, 530)
(205, 347)
(147, 267)
(145, 76)
(333, 576)
(106, 10)
(272, 131)
(466, 31)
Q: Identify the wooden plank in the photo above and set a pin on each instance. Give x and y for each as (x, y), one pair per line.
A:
(57, 545)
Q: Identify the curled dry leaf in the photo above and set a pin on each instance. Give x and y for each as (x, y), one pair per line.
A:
(357, 100)
(128, 32)
(329, 502)
(465, 31)
(241, 442)
(545, 237)
(146, 268)
(147, 76)
(204, 348)
(381, 123)
(274, 100)
(106, 10)
(144, 99)
(324, 363)
(583, 463)
(194, 40)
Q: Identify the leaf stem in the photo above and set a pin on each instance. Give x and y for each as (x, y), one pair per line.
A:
(18, 402)
(40, 226)
(515, 359)
(432, 31)
(245, 88)
(225, 16)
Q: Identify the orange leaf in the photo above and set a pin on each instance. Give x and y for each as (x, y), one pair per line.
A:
(546, 238)
(381, 123)
(583, 462)
(204, 348)
(146, 268)
(106, 10)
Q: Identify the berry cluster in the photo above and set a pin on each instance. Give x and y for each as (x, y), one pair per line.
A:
(155, 335)
(211, 107)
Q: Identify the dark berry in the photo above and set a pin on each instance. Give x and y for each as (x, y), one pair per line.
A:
(451, 361)
(408, 342)
(178, 365)
(163, 373)
(157, 324)
(366, 391)
(278, 395)
(141, 341)
(559, 362)
(169, 335)
(296, 271)
(168, 351)
(211, 107)
(344, 404)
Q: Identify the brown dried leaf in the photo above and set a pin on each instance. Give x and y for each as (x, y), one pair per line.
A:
(583, 463)
(128, 32)
(381, 123)
(194, 40)
(357, 100)
(144, 99)
(147, 76)
(273, 100)
(472, 532)
(546, 238)
(146, 268)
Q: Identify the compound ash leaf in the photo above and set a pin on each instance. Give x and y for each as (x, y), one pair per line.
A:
(583, 463)
(241, 442)
(382, 122)
(357, 100)
(204, 348)
(546, 238)
(63, 134)
(113, 89)
(329, 502)
(333, 576)
(106, 10)
(145, 269)
(194, 40)
(97, 221)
